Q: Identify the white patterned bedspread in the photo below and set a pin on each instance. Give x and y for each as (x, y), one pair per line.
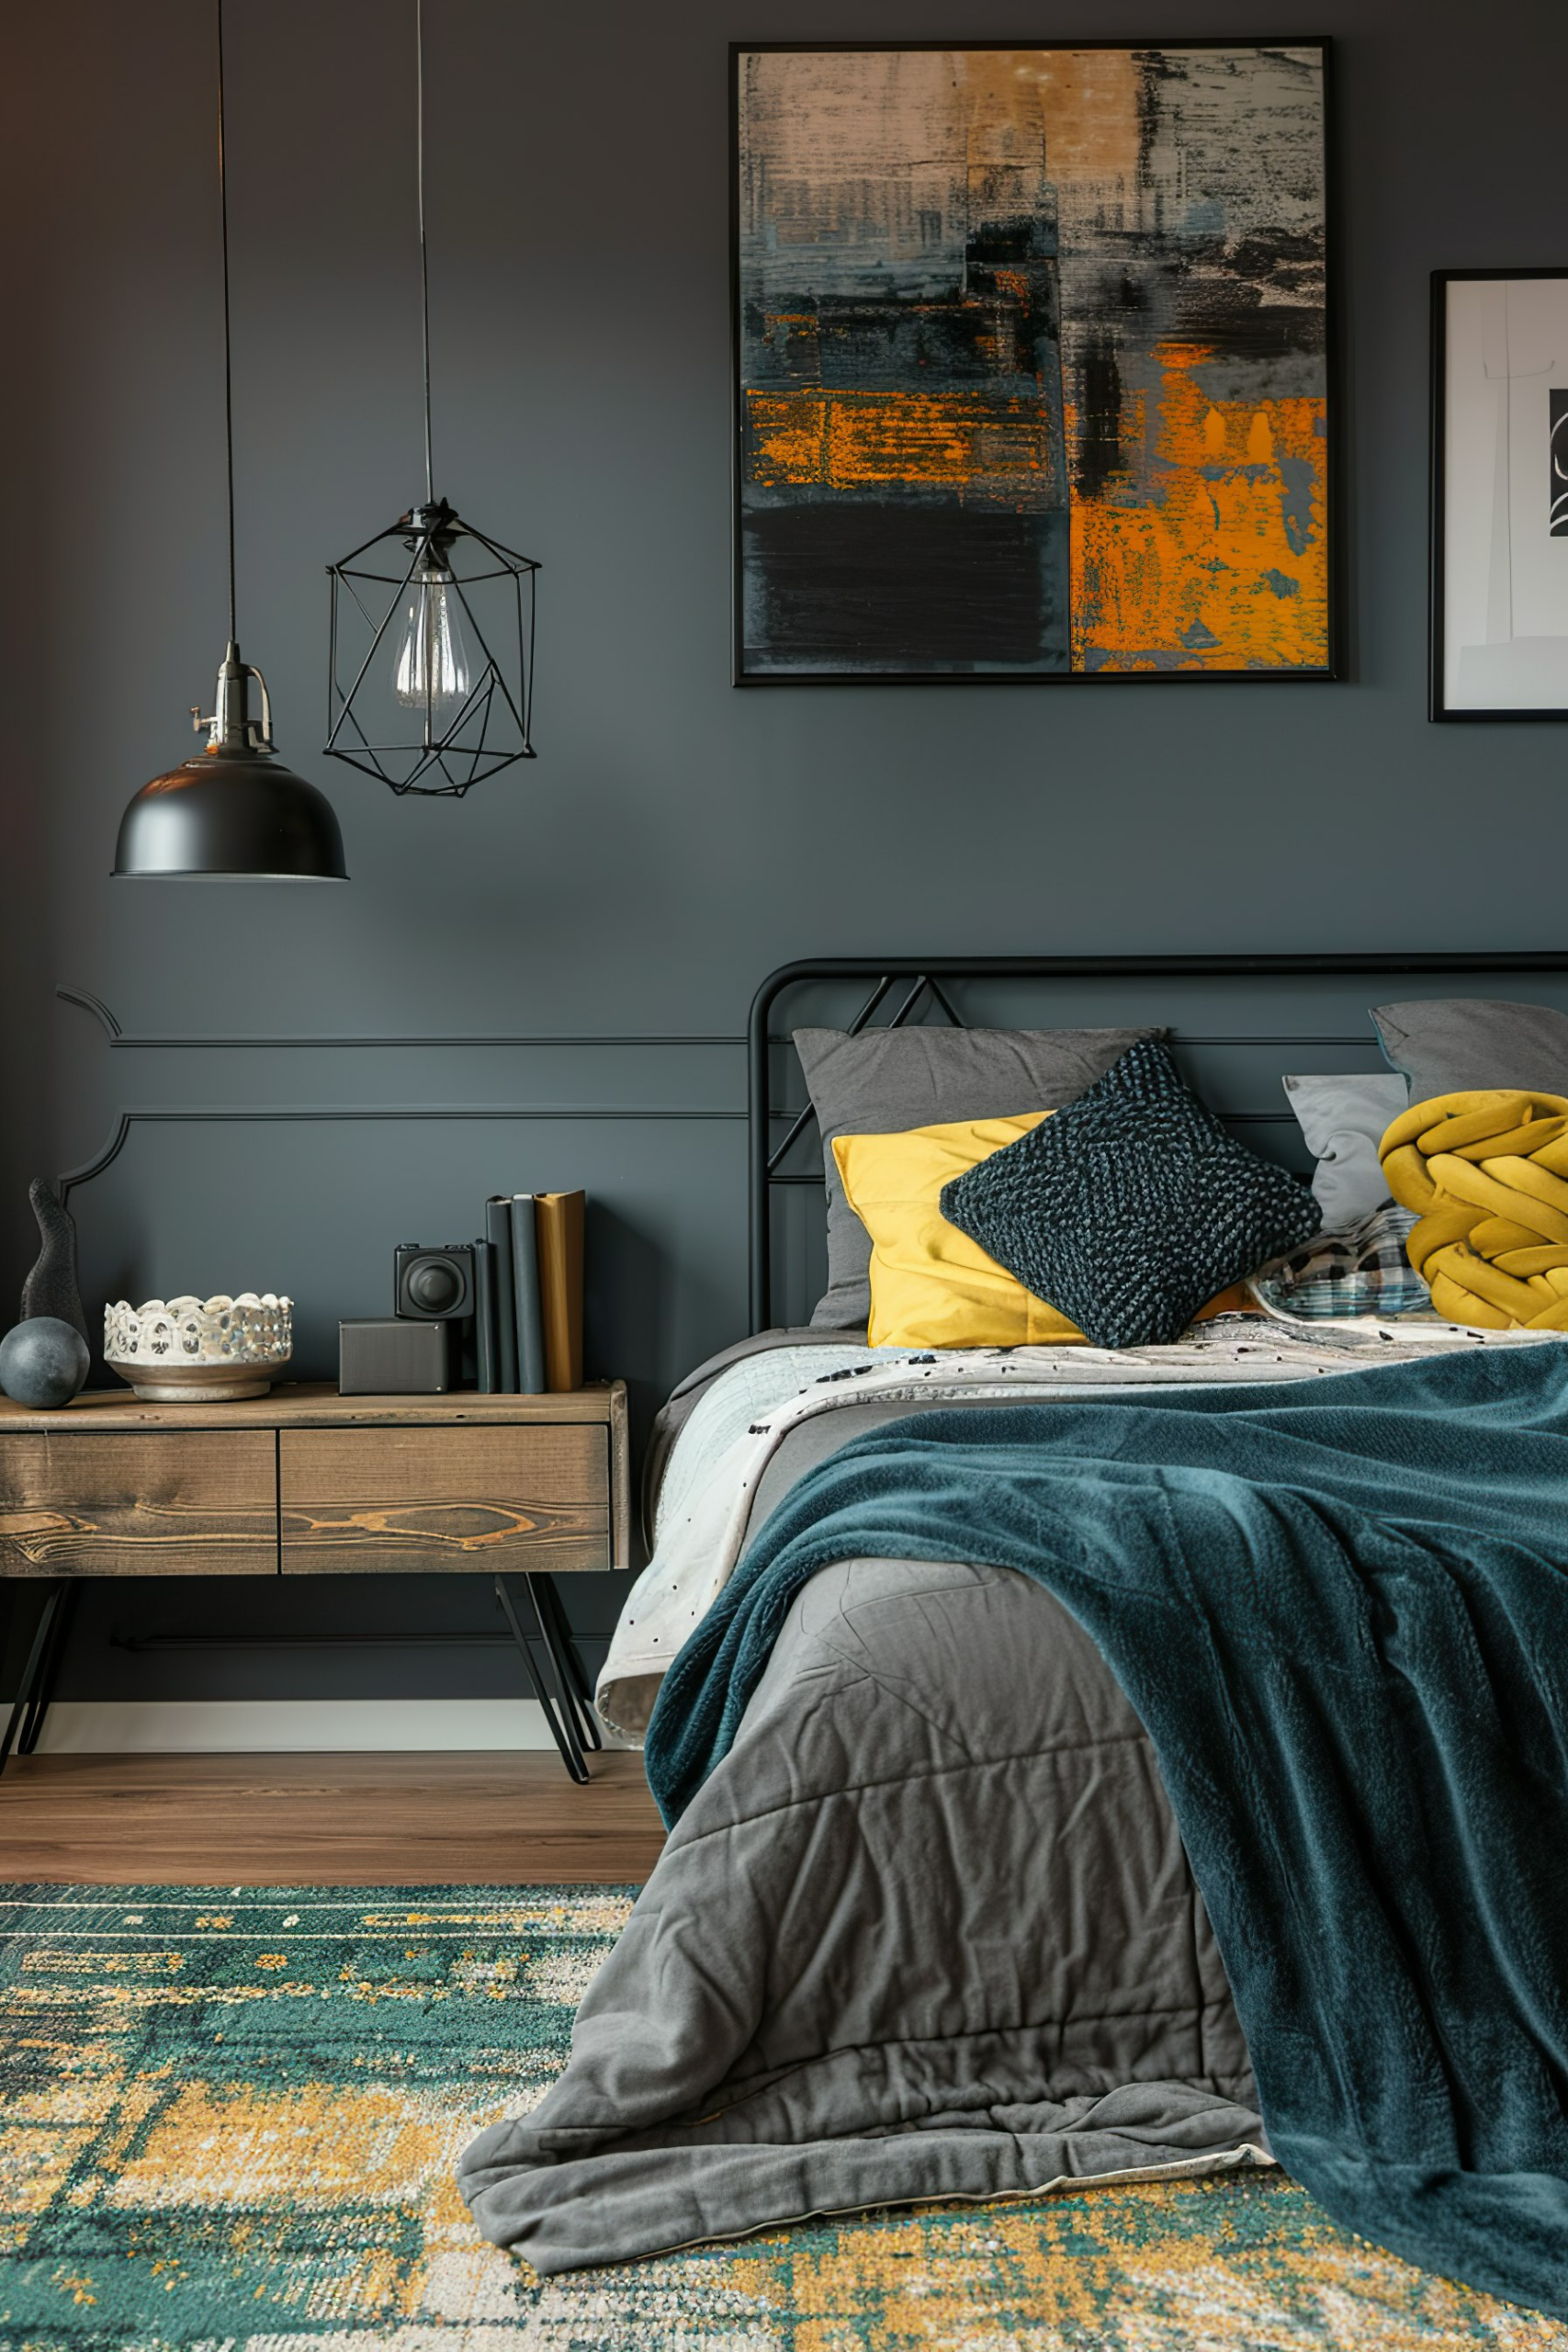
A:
(721, 1454)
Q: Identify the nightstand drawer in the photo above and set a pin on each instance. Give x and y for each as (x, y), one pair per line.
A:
(139, 1503)
(536, 1496)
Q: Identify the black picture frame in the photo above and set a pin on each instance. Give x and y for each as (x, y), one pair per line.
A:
(1438, 709)
(1333, 667)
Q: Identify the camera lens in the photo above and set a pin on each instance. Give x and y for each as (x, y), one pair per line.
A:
(434, 1286)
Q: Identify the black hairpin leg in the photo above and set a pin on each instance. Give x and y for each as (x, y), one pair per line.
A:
(564, 1656)
(49, 1666)
(31, 1703)
(565, 1701)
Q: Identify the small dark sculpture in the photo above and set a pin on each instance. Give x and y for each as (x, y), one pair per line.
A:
(51, 1288)
(43, 1362)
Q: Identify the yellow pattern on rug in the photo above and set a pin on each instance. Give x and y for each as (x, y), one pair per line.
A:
(229, 2118)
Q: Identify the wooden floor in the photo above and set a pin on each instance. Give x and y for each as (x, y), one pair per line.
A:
(361, 1820)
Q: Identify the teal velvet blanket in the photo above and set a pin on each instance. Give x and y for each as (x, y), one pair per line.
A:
(1343, 1618)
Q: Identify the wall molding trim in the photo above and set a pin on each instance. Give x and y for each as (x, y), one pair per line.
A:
(326, 1112)
(284, 1041)
(130, 1117)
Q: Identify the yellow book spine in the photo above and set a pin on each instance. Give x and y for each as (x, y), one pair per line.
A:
(558, 1224)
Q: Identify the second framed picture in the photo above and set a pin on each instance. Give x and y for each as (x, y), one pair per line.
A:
(1500, 493)
(1032, 363)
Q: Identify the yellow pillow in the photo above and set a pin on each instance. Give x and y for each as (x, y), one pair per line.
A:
(931, 1285)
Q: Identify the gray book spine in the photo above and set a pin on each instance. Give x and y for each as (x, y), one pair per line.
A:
(526, 1291)
(498, 1232)
(485, 1380)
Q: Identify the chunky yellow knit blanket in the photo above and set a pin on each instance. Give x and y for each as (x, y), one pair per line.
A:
(1487, 1174)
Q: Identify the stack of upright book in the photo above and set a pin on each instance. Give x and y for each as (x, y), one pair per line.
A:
(528, 1319)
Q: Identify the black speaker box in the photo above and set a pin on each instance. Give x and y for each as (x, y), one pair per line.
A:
(394, 1359)
(433, 1285)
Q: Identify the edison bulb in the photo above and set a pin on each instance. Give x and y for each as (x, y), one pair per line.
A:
(432, 669)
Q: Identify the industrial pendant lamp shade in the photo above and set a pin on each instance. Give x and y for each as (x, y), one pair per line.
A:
(430, 690)
(430, 687)
(234, 812)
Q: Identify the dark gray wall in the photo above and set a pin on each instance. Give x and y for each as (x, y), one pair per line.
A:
(676, 839)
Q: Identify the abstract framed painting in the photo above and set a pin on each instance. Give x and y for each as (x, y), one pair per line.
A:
(1499, 642)
(1033, 362)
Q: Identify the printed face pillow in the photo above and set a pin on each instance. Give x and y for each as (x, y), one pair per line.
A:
(1128, 1210)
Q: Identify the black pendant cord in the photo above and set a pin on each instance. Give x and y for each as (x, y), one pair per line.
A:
(424, 256)
(228, 355)
(232, 811)
(458, 715)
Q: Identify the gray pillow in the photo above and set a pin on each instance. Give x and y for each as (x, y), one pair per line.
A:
(1447, 1044)
(884, 1081)
(1343, 1120)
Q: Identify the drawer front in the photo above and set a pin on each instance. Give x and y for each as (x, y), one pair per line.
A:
(138, 1503)
(438, 1498)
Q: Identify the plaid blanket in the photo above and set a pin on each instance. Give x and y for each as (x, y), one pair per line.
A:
(1363, 1271)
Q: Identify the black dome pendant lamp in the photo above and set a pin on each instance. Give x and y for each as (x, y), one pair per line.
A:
(233, 813)
(408, 701)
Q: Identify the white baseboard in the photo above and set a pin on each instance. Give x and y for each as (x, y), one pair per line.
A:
(246, 1726)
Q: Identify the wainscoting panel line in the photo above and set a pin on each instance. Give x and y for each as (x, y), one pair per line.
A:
(325, 1113)
(86, 1001)
(354, 1042)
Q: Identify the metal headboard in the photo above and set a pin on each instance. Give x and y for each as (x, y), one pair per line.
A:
(922, 979)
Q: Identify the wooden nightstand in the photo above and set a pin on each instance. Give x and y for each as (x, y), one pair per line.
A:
(304, 1482)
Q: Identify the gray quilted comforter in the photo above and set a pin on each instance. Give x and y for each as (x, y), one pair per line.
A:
(928, 1932)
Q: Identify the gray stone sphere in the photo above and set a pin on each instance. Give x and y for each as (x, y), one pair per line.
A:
(43, 1362)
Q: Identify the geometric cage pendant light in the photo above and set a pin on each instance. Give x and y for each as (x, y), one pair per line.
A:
(235, 811)
(430, 672)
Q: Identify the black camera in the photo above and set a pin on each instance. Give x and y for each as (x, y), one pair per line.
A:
(433, 1285)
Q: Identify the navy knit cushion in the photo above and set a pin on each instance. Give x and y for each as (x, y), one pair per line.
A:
(1129, 1209)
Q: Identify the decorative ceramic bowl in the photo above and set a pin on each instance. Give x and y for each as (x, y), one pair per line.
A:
(199, 1349)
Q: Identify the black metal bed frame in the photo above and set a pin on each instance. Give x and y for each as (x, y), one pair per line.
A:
(924, 976)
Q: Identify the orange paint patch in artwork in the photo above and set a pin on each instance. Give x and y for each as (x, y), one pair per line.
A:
(789, 437)
(1203, 567)
(1090, 100)
(976, 443)
(1081, 105)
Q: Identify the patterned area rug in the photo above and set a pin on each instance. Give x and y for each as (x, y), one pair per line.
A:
(229, 2118)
